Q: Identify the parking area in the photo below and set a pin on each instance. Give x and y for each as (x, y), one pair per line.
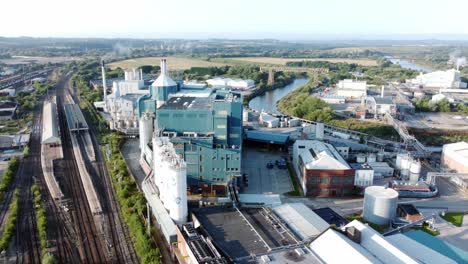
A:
(437, 120)
(262, 179)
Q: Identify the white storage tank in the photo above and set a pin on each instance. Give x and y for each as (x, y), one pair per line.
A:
(245, 115)
(380, 204)
(380, 156)
(319, 130)
(415, 171)
(371, 157)
(146, 130)
(361, 158)
(405, 163)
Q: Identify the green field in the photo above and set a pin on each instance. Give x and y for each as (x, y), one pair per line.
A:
(173, 63)
(454, 218)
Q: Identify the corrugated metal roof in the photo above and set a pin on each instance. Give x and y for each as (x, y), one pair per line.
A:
(75, 118)
(50, 133)
(318, 155)
(301, 219)
(418, 250)
(444, 248)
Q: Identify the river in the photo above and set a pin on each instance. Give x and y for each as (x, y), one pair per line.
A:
(268, 100)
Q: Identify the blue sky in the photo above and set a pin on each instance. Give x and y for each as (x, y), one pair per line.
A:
(285, 19)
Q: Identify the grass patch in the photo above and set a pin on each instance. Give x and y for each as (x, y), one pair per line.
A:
(283, 61)
(425, 228)
(360, 218)
(10, 222)
(173, 63)
(8, 176)
(292, 174)
(455, 218)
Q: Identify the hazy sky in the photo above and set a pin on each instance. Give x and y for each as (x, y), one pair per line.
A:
(235, 18)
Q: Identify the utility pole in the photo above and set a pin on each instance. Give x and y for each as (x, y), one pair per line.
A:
(149, 218)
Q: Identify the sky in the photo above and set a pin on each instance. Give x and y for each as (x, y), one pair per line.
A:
(284, 19)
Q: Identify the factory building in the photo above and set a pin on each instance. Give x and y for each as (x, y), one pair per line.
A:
(350, 88)
(204, 126)
(455, 157)
(122, 103)
(381, 169)
(380, 105)
(268, 120)
(7, 110)
(321, 170)
(237, 84)
(304, 222)
(439, 79)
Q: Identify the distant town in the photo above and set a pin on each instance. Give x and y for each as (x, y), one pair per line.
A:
(233, 151)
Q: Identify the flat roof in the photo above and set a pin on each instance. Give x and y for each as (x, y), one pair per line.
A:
(75, 118)
(331, 217)
(301, 219)
(444, 248)
(188, 102)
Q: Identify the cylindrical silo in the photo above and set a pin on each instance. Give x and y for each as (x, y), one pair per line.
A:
(380, 204)
(405, 163)
(146, 130)
(415, 171)
(361, 158)
(245, 116)
(178, 190)
(371, 157)
(380, 156)
(319, 130)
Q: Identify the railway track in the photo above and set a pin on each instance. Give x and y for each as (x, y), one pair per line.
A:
(88, 239)
(27, 238)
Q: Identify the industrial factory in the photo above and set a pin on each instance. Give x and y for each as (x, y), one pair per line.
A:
(439, 79)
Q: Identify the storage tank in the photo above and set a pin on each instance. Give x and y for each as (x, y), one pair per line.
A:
(380, 157)
(146, 130)
(245, 115)
(371, 157)
(294, 122)
(380, 204)
(319, 130)
(415, 171)
(177, 188)
(405, 163)
(361, 158)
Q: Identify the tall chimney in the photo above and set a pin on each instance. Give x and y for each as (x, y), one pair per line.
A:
(382, 93)
(141, 74)
(163, 66)
(104, 85)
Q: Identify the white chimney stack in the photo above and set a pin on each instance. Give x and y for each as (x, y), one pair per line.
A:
(141, 74)
(163, 66)
(382, 93)
(104, 84)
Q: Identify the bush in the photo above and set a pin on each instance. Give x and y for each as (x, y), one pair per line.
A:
(10, 222)
(41, 220)
(8, 176)
(132, 203)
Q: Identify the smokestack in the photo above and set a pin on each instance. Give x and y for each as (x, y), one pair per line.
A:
(104, 85)
(141, 74)
(382, 93)
(163, 66)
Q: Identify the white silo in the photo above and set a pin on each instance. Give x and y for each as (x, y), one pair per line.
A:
(399, 157)
(415, 171)
(319, 130)
(177, 187)
(361, 158)
(380, 204)
(245, 115)
(380, 156)
(371, 157)
(146, 130)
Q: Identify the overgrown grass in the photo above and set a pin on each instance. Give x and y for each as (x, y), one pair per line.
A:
(292, 174)
(131, 201)
(425, 228)
(455, 218)
(8, 176)
(10, 223)
(360, 218)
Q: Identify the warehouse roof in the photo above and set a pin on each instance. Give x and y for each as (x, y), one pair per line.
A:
(444, 248)
(317, 155)
(378, 246)
(50, 134)
(334, 247)
(301, 219)
(75, 118)
(267, 137)
(418, 250)
(458, 151)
